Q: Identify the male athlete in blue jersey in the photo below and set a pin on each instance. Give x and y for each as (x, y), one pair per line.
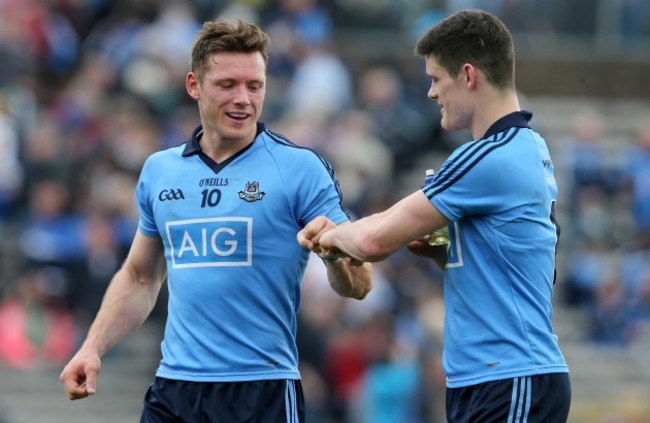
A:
(497, 196)
(223, 210)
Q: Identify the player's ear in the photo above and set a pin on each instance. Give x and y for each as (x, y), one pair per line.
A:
(468, 73)
(192, 85)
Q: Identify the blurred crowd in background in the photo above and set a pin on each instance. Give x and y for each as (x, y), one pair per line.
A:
(90, 88)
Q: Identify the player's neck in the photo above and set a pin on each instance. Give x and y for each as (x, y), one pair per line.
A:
(220, 148)
(496, 106)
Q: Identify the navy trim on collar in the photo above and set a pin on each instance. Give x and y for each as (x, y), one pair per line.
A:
(193, 147)
(519, 119)
(192, 144)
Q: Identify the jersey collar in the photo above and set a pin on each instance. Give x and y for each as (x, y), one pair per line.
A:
(515, 119)
(192, 145)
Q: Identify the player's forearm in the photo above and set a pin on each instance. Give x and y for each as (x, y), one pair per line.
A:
(361, 240)
(376, 237)
(348, 280)
(126, 305)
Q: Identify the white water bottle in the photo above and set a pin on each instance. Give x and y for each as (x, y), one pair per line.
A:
(439, 236)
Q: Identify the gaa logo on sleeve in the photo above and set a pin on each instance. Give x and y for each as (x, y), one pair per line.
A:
(219, 241)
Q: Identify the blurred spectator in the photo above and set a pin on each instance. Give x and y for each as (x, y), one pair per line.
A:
(180, 123)
(611, 320)
(115, 34)
(79, 107)
(389, 389)
(362, 161)
(635, 277)
(590, 177)
(45, 156)
(11, 171)
(585, 154)
(310, 23)
(637, 177)
(318, 84)
(587, 267)
(246, 10)
(321, 86)
(50, 233)
(318, 321)
(18, 46)
(384, 14)
(132, 132)
(110, 194)
(157, 74)
(61, 40)
(170, 36)
(395, 120)
(36, 325)
(592, 219)
(348, 358)
(635, 21)
(613, 287)
(529, 15)
(293, 24)
(330, 342)
(102, 257)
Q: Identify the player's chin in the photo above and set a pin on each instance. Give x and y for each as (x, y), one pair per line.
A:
(238, 130)
(449, 125)
(444, 123)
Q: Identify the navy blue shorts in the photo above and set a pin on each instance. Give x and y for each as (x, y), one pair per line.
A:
(531, 399)
(263, 401)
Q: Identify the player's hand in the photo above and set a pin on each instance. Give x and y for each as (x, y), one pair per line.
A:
(421, 247)
(309, 236)
(79, 377)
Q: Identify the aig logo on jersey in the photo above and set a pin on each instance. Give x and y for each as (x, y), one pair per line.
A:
(218, 241)
(171, 194)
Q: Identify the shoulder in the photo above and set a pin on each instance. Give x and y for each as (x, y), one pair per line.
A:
(289, 154)
(482, 151)
(488, 158)
(160, 163)
(165, 156)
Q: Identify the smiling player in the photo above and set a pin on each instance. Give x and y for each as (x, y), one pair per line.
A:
(223, 210)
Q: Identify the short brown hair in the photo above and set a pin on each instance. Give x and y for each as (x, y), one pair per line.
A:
(227, 36)
(476, 37)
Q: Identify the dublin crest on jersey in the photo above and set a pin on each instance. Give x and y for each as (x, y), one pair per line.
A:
(252, 192)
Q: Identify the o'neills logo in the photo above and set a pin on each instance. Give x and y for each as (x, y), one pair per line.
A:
(252, 192)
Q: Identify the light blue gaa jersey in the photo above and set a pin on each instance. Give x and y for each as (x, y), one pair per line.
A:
(499, 192)
(234, 263)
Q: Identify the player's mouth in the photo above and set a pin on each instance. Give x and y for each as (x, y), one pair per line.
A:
(240, 117)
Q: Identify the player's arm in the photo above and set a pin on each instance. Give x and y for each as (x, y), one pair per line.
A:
(348, 278)
(127, 302)
(376, 237)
